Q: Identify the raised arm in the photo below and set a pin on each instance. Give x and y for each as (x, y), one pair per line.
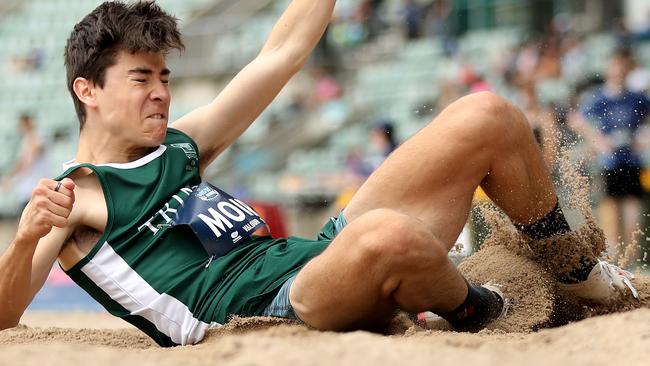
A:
(217, 125)
(25, 264)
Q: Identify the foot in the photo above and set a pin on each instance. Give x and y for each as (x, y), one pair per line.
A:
(604, 282)
(498, 309)
(503, 303)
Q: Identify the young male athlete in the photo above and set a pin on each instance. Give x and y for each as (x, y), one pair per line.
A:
(131, 223)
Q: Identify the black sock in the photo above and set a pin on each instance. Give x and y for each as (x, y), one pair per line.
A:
(554, 223)
(479, 308)
(581, 272)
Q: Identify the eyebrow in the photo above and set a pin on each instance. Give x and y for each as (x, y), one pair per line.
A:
(147, 71)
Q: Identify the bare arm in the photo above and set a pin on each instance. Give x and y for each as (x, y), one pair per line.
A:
(217, 125)
(27, 261)
(580, 125)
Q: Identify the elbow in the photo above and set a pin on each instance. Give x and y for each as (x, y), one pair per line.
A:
(297, 58)
(291, 57)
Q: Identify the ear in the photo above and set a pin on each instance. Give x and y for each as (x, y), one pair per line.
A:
(85, 91)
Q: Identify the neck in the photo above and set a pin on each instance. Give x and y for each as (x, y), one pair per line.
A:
(614, 88)
(99, 147)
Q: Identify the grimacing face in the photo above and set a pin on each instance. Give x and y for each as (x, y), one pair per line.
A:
(133, 104)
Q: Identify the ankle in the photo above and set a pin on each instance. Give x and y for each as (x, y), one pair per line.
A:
(581, 272)
(479, 308)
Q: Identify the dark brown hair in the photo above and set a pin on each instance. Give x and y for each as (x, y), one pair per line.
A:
(113, 26)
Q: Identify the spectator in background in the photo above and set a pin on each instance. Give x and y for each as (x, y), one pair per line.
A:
(471, 81)
(326, 87)
(30, 164)
(549, 64)
(25, 63)
(437, 25)
(327, 96)
(525, 62)
(611, 121)
(413, 17)
(638, 79)
(369, 13)
(383, 142)
(449, 92)
(624, 37)
(360, 164)
(574, 59)
(643, 32)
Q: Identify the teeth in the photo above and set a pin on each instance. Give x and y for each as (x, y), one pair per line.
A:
(159, 116)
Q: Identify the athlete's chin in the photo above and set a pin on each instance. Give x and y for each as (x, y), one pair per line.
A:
(156, 136)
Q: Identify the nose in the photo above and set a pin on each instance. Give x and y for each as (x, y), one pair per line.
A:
(160, 92)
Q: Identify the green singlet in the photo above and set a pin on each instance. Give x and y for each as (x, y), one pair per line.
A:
(159, 278)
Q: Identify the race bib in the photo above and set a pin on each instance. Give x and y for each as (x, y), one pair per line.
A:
(218, 220)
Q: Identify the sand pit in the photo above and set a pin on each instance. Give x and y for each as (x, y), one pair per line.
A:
(622, 338)
(529, 334)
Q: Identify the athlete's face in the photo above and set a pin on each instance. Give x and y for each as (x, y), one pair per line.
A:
(134, 102)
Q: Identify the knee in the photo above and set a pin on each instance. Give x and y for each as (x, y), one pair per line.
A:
(389, 236)
(492, 119)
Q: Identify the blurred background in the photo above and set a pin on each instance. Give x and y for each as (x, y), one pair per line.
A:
(382, 71)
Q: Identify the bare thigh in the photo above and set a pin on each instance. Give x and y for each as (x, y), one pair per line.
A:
(382, 261)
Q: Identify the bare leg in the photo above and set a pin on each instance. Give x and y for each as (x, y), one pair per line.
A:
(631, 208)
(481, 139)
(382, 261)
(610, 217)
(405, 218)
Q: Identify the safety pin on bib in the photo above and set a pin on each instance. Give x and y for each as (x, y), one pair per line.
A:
(209, 261)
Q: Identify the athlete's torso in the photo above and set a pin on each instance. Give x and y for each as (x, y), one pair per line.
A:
(124, 251)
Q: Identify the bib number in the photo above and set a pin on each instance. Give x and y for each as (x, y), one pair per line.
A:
(218, 220)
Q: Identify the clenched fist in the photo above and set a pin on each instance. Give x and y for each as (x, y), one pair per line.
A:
(50, 206)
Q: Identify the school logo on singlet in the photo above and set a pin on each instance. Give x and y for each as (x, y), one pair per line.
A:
(187, 148)
(218, 220)
(207, 194)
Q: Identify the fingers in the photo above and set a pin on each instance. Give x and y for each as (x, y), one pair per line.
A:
(45, 214)
(61, 199)
(50, 206)
(68, 184)
(59, 210)
(62, 194)
(65, 186)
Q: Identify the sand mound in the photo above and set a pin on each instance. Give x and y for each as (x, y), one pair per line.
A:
(529, 288)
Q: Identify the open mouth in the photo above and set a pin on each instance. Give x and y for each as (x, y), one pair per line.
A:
(157, 116)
